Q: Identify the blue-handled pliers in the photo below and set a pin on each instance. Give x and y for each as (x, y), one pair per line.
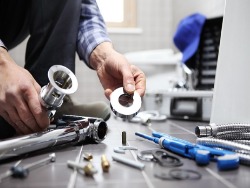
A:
(226, 160)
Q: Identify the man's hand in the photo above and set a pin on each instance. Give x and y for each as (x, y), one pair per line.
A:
(115, 71)
(19, 97)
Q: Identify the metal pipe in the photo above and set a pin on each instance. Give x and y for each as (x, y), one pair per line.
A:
(75, 132)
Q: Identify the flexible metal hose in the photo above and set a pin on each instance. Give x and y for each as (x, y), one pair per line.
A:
(247, 142)
(224, 130)
(233, 135)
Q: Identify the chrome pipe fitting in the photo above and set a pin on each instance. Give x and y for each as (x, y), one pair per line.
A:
(203, 131)
(62, 81)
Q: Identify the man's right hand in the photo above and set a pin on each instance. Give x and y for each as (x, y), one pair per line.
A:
(19, 97)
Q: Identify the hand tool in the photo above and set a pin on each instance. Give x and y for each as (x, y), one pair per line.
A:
(201, 154)
(22, 172)
(242, 150)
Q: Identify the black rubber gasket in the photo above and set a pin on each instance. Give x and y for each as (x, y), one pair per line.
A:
(183, 174)
(164, 175)
(166, 160)
(178, 174)
(146, 155)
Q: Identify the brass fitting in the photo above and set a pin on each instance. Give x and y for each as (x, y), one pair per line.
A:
(87, 156)
(105, 163)
(89, 170)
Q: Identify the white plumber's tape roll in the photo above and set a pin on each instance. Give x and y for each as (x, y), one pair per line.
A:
(124, 111)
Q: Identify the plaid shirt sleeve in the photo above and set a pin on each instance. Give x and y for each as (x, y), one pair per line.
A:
(92, 30)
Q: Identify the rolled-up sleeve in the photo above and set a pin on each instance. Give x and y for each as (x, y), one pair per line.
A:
(92, 30)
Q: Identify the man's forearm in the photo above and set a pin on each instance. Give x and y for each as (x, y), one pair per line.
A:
(100, 54)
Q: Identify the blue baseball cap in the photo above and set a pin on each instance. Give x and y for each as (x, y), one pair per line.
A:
(187, 35)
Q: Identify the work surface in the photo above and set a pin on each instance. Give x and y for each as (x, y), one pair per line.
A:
(58, 174)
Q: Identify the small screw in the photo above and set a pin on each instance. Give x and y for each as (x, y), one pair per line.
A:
(124, 139)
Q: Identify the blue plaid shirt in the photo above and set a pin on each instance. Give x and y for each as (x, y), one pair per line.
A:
(92, 30)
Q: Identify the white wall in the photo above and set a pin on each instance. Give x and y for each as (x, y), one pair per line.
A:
(158, 20)
(231, 102)
(154, 18)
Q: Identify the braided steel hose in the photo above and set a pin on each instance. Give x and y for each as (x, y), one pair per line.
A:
(246, 142)
(222, 129)
(233, 135)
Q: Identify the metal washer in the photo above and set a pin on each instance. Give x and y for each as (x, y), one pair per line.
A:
(124, 111)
